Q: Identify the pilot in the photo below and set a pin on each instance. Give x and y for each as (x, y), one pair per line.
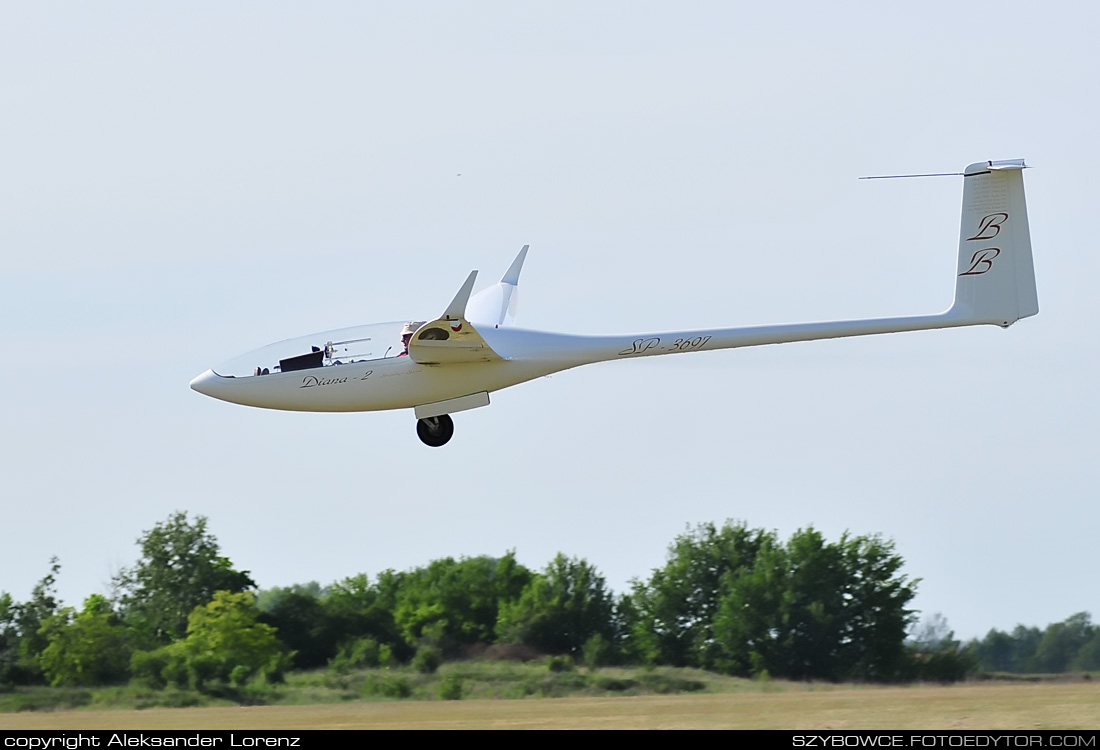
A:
(407, 333)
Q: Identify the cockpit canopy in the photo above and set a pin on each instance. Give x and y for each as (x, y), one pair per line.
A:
(328, 349)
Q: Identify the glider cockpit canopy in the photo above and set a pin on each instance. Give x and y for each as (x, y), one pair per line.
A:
(329, 349)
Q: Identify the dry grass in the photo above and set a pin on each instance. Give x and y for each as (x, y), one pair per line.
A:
(786, 706)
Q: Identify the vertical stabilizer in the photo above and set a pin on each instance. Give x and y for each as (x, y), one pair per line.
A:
(995, 281)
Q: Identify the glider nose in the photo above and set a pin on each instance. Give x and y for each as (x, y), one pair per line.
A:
(205, 383)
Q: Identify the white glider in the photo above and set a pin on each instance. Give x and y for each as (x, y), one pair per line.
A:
(454, 362)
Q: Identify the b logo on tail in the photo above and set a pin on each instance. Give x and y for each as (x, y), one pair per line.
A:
(990, 226)
(982, 261)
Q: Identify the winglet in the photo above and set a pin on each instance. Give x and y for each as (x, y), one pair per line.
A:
(457, 308)
(512, 275)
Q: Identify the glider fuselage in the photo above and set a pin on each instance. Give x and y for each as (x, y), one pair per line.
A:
(454, 362)
(399, 382)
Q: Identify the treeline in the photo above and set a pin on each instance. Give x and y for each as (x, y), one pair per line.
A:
(730, 599)
(1070, 645)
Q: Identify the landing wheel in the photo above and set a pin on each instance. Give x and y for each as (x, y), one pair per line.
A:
(435, 431)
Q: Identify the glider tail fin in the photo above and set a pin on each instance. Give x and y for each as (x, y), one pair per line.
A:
(995, 282)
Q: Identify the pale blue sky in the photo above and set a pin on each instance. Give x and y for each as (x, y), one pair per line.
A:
(181, 183)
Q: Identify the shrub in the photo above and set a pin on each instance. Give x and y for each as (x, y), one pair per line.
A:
(147, 668)
(511, 652)
(275, 671)
(596, 651)
(615, 685)
(665, 684)
(363, 652)
(389, 686)
(450, 688)
(427, 659)
(203, 668)
(560, 664)
(175, 670)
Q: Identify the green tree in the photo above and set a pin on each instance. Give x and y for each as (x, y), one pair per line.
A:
(669, 619)
(814, 610)
(305, 627)
(1009, 652)
(1027, 643)
(560, 609)
(1062, 641)
(227, 637)
(89, 648)
(268, 599)
(9, 640)
(225, 643)
(815, 617)
(877, 599)
(748, 626)
(454, 603)
(26, 637)
(1088, 656)
(355, 608)
(997, 652)
(180, 569)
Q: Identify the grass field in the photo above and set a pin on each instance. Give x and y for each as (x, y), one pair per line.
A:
(1009, 706)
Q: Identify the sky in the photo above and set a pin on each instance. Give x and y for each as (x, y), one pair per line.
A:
(182, 183)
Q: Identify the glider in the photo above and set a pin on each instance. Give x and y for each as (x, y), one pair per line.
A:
(452, 363)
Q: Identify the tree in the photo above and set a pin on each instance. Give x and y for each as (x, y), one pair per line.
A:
(748, 624)
(816, 613)
(179, 569)
(1027, 643)
(268, 599)
(669, 618)
(935, 654)
(997, 652)
(814, 610)
(452, 604)
(304, 627)
(1062, 641)
(560, 609)
(9, 640)
(1073, 643)
(877, 603)
(355, 608)
(342, 618)
(1088, 656)
(225, 643)
(26, 636)
(89, 648)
